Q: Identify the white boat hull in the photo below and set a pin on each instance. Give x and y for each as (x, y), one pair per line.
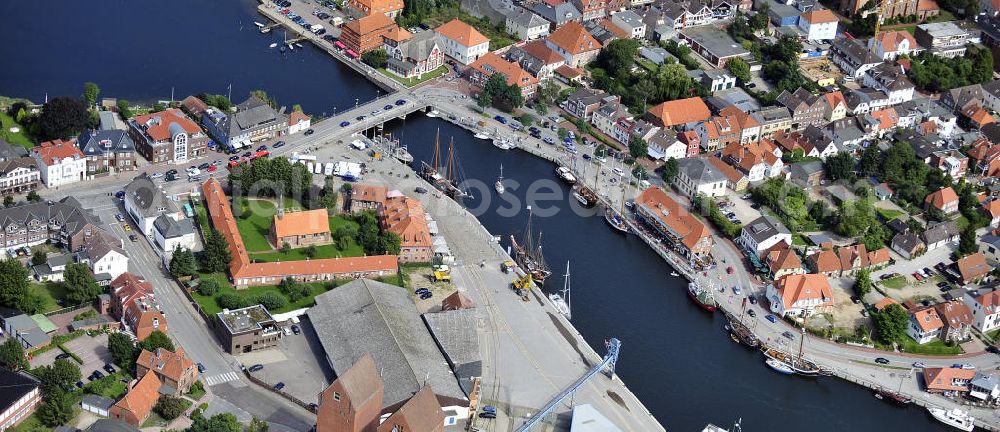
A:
(560, 304)
(499, 187)
(955, 418)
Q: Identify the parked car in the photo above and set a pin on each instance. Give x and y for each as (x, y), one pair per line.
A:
(133, 238)
(771, 318)
(279, 144)
(855, 299)
(918, 365)
(256, 367)
(501, 119)
(296, 329)
(488, 415)
(387, 107)
(309, 132)
(789, 335)
(737, 290)
(917, 276)
(97, 374)
(201, 368)
(420, 190)
(751, 313)
(279, 386)
(400, 102)
(79, 384)
(882, 360)
(753, 299)
(119, 217)
(108, 368)
(62, 356)
(345, 123)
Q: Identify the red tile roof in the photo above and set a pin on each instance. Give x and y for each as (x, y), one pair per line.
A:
(540, 51)
(687, 227)
(166, 363)
(405, 217)
(795, 288)
(941, 198)
(301, 223)
(462, 33)
(947, 379)
(157, 124)
(574, 39)
(141, 397)
(492, 63)
(53, 152)
(681, 111)
(819, 16)
(297, 116)
(927, 318)
(973, 267)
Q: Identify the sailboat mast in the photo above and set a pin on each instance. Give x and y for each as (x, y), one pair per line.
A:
(802, 341)
(565, 292)
(451, 160)
(437, 157)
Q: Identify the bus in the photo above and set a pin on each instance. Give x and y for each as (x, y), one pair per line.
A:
(296, 157)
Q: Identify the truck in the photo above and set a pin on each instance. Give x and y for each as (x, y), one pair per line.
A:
(315, 28)
(296, 157)
(328, 169)
(441, 273)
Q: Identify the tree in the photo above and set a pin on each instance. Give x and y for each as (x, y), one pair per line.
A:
(294, 289)
(870, 161)
(840, 166)
(13, 282)
(90, 93)
(38, 257)
(8, 201)
(670, 170)
(223, 422)
(618, 57)
(740, 69)
(310, 251)
(891, 323)
(391, 243)
(272, 300)
(81, 287)
(33, 197)
(231, 300)
(215, 257)
(124, 109)
(484, 100)
(637, 147)
(262, 95)
(967, 242)
(758, 21)
(169, 407)
(57, 409)
(12, 355)
(157, 339)
(122, 349)
(863, 283)
(376, 58)
(257, 425)
(208, 287)
(59, 376)
(61, 117)
(182, 263)
(32, 303)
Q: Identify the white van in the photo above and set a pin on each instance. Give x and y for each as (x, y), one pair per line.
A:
(318, 169)
(309, 166)
(328, 169)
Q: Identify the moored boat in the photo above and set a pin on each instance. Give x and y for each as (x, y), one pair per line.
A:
(740, 332)
(503, 144)
(565, 175)
(482, 135)
(615, 220)
(584, 195)
(703, 297)
(779, 366)
(528, 254)
(499, 184)
(798, 364)
(956, 418)
(891, 396)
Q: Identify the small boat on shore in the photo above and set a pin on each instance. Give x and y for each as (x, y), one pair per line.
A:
(584, 195)
(674, 274)
(433, 113)
(561, 301)
(702, 296)
(616, 220)
(273, 45)
(261, 25)
(565, 174)
(503, 144)
(779, 366)
(482, 135)
(956, 418)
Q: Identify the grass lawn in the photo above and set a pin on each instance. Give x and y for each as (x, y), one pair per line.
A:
(52, 292)
(897, 282)
(299, 254)
(410, 82)
(962, 222)
(254, 222)
(110, 386)
(197, 391)
(799, 240)
(155, 420)
(209, 305)
(20, 138)
(934, 347)
(648, 65)
(889, 214)
(30, 424)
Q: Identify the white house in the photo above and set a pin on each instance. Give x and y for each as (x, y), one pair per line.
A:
(985, 309)
(800, 295)
(104, 253)
(819, 24)
(170, 234)
(664, 145)
(144, 202)
(526, 25)
(606, 118)
(989, 245)
(463, 42)
(890, 79)
(697, 176)
(763, 233)
(59, 162)
(631, 22)
(298, 121)
(925, 325)
(891, 44)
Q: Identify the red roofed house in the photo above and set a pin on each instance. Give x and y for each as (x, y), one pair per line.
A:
(985, 309)
(134, 305)
(945, 200)
(671, 220)
(367, 197)
(679, 112)
(363, 8)
(957, 319)
(973, 268)
(992, 211)
(977, 117)
(405, 217)
(135, 406)
(825, 262)
(574, 43)
(366, 34)
(836, 106)
(59, 162)
(940, 380)
(781, 260)
(298, 121)
(463, 42)
(893, 43)
(925, 325)
(167, 136)
(353, 402)
(800, 294)
(491, 63)
(299, 229)
(174, 370)
(422, 412)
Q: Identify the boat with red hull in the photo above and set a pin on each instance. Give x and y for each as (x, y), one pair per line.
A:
(703, 297)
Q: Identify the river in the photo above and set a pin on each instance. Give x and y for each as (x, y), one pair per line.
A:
(675, 357)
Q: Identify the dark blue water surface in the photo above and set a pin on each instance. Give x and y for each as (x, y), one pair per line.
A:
(675, 357)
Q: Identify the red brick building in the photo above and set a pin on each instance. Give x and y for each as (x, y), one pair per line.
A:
(353, 402)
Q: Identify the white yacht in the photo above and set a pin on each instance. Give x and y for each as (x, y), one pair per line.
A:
(561, 302)
(566, 175)
(955, 418)
(499, 184)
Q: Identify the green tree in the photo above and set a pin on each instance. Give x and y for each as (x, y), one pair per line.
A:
(967, 242)
(637, 147)
(264, 97)
(891, 323)
(310, 251)
(122, 349)
(223, 422)
(870, 161)
(294, 289)
(124, 109)
(670, 170)
(57, 409)
(862, 283)
(157, 339)
(60, 376)
(758, 21)
(169, 407)
(272, 300)
(231, 300)
(12, 355)
(13, 282)
(208, 287)
(33, 197)
(8, 201)
(32, 303)
(257, 425)
(740, 69)
(484, 100)
(182, 263)
(90, 93)
(215, 257)
(81, 287)
(840, 166)
(390, 243)
(39, 257)
(618, 57)
(61, 117)
(376, 58)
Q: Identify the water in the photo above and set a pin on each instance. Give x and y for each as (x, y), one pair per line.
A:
(675, 357)
(140, 50)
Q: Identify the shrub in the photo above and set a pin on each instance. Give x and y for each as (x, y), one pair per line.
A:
(272, 300)
(208, 287)
(170, 407)
(232, 300)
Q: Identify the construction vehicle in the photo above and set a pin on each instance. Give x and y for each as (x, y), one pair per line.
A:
(441, 273)
(521, 286)
(507, 266)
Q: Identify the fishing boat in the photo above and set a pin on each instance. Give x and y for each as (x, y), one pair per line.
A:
(265, 29)
(674, 274)
(291, 47)
(394, 148)
(779, 366)
(499, 184)
(561, 301)
(444, 183)
(528, 254)
(584, 195)
(703, 297)
(503, 144)
(434, 113)
(891, 396)
(955, 418)
(273, 45)
(799, 364)
(565, 174)
(482, 135)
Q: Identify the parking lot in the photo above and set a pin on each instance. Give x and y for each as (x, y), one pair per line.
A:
(298, 361)
(92, 350)
(740, 207)
(45, 359)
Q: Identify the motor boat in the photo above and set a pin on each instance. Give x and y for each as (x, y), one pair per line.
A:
(955, 418)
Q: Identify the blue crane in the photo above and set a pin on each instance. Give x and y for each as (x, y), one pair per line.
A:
(608, 363)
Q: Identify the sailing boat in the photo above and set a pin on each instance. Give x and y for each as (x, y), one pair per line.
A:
(431, 174)
(499, 184)
(529, 256)
(561, 302)
(798, 364)
(615, 218)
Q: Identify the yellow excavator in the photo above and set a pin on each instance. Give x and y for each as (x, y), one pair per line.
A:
(521, 286)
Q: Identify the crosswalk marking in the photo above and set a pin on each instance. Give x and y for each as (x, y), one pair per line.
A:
(221, 378)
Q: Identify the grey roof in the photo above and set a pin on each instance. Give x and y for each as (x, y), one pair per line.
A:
(656, 54)
(586, 96)
(715, 41)
(558, 14)
(66, 213)
(941, 231)
(991, 240)
(924, 109)
(857, 97)
(97, 401)
(170, 228)
(98, 142)
(891, 76)
(108, 120)
(906, 241)
(774, 114)
(764, 228)
(799, 99)
(526, 18)
(366, 316)
(628, 17)
(960, 96)
(99, 245)
(455, 333)
(99, 320)
(246, 319)
(942, 29)
(10, 151)
(700, 171)
(21, 322)
(599, 32)
(845, 129)
(9, 165)
(111, 425)
(586, 418)
(807, 167)
(982, 380)
(252, 115)
(853, 50)
(841, 193)
(147, 197)
(419, 47)
(15, 386)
